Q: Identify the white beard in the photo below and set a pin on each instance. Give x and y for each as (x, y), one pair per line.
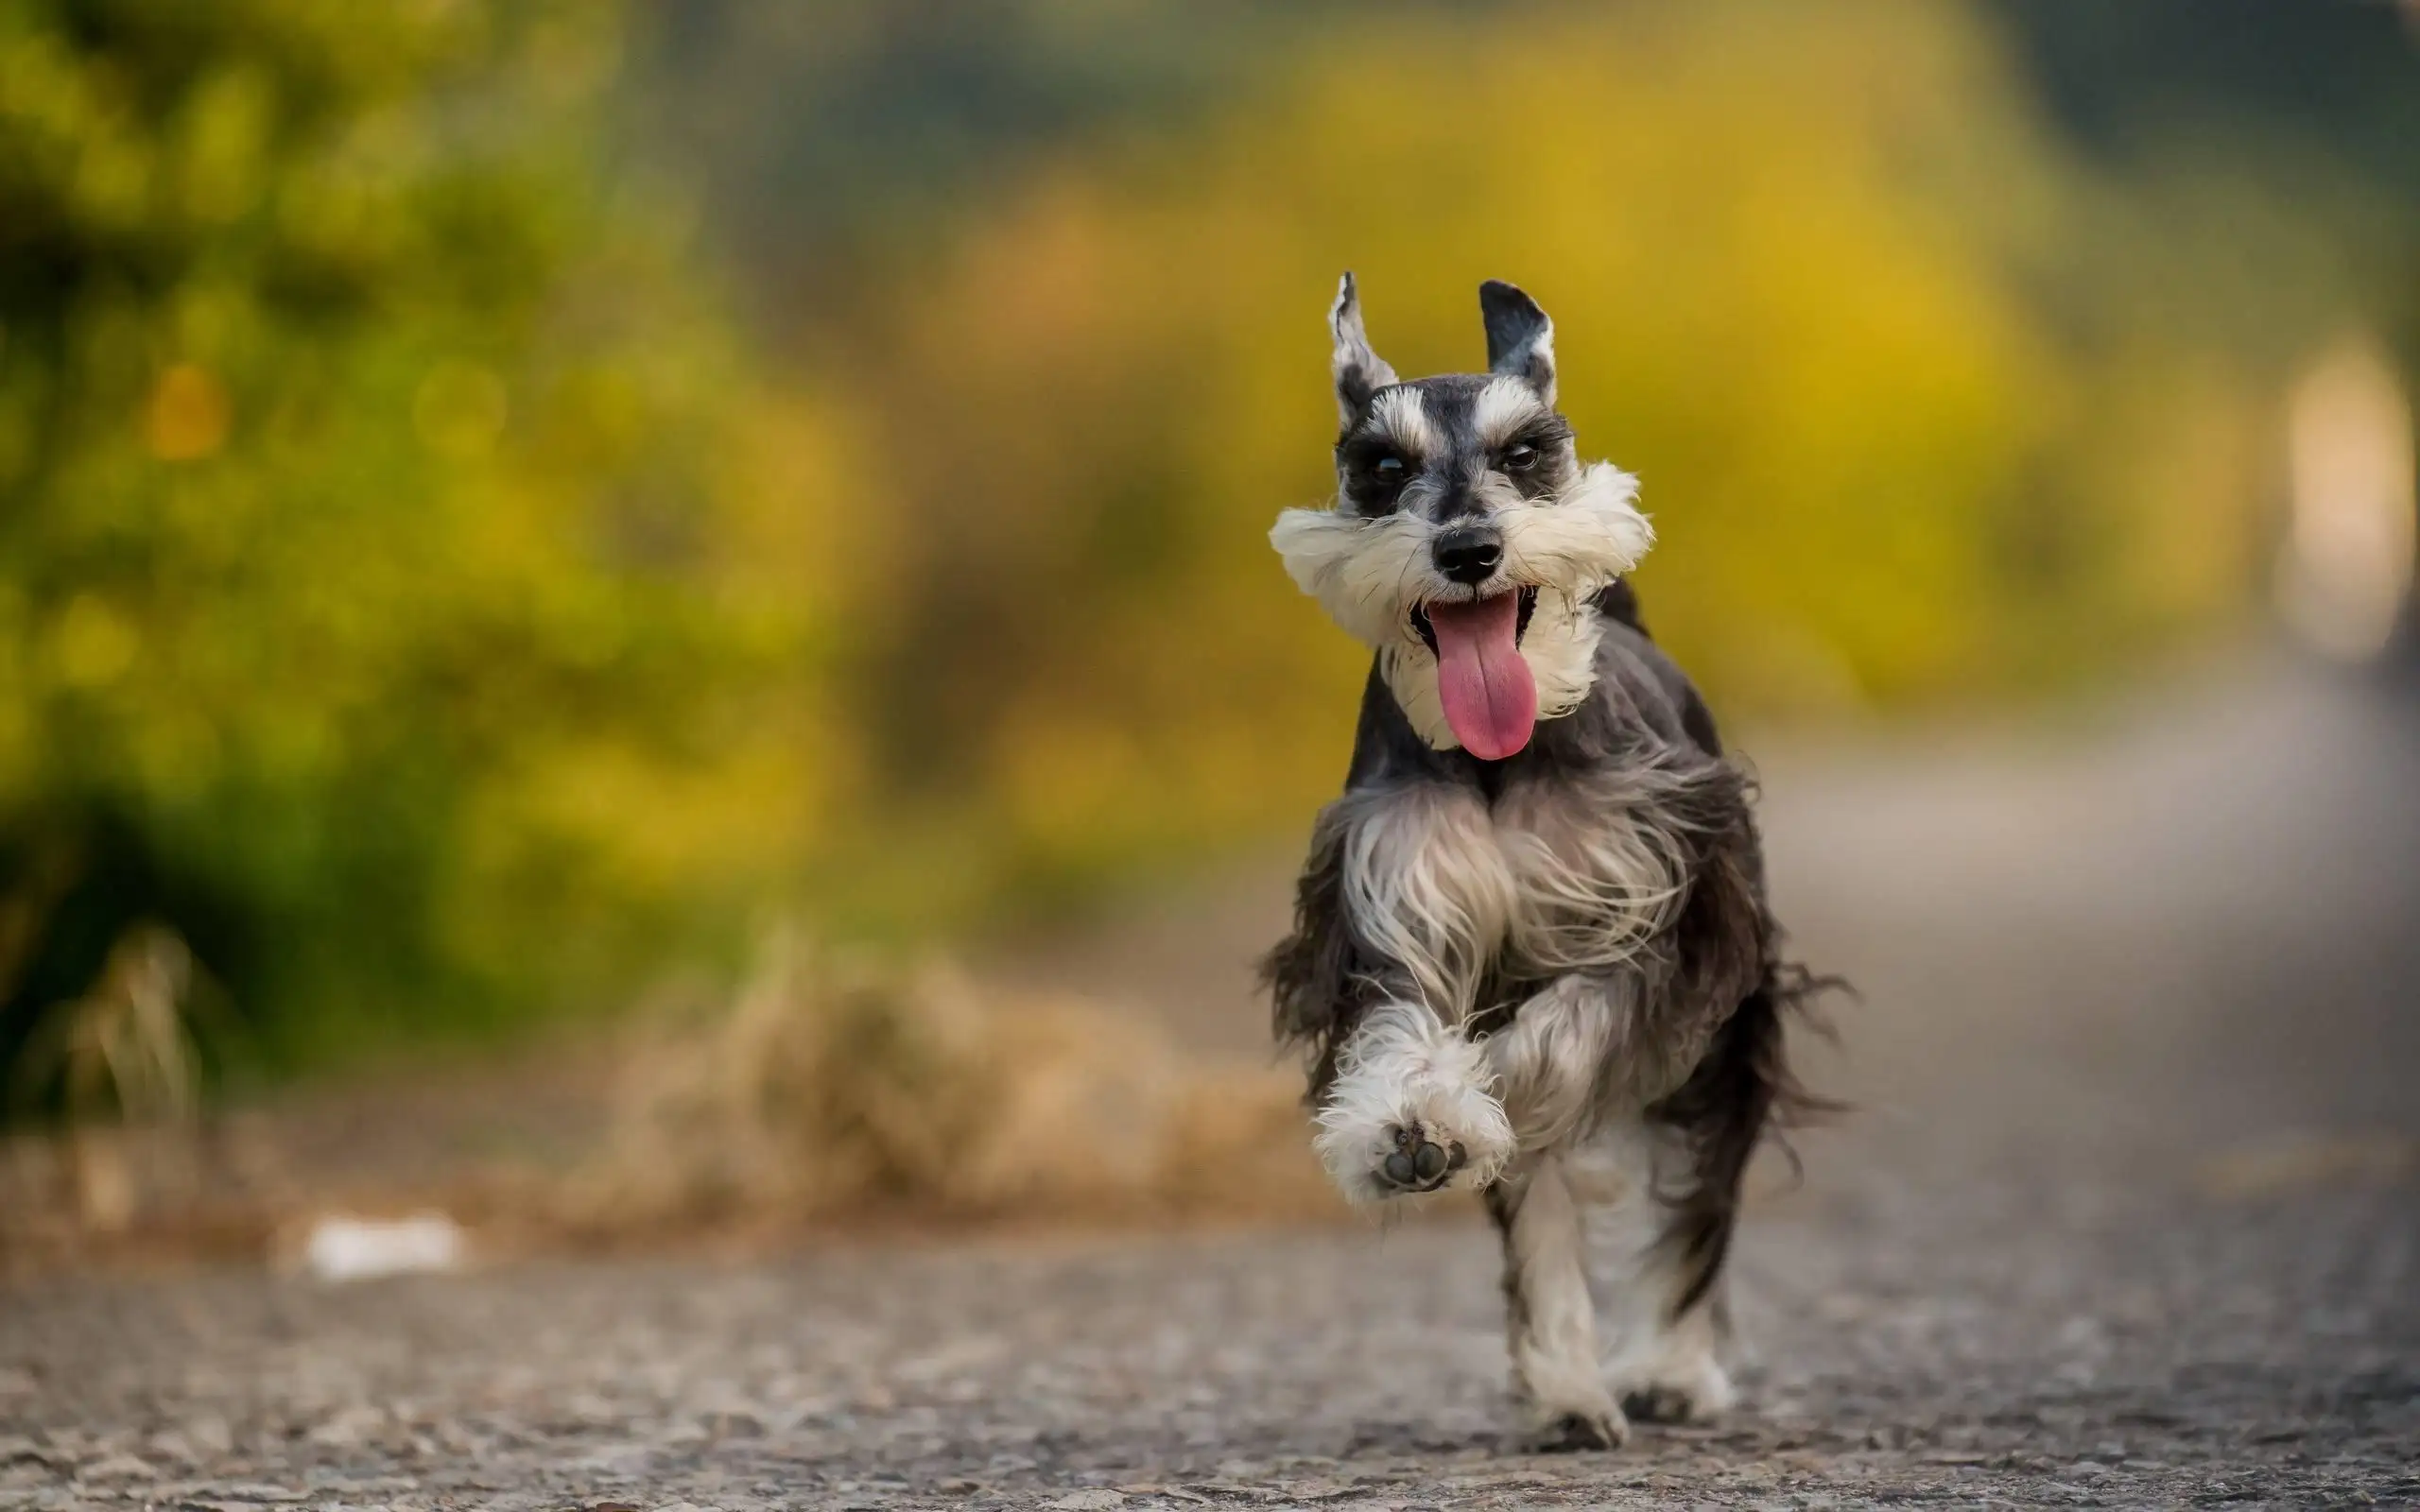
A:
(1369, 574)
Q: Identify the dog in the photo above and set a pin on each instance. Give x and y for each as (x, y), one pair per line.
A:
(1531, 956)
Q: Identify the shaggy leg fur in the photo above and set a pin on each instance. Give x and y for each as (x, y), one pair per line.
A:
(1688, 1158)
(1550, 1061)
(1665, 1343)
(1550, 1320)
(1409, 1108)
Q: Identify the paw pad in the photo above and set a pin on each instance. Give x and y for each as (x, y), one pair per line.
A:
(1419, 1163)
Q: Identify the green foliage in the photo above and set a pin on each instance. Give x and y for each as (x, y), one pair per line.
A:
(399, 583)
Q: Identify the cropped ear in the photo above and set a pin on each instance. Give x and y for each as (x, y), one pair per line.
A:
(1359, 372)
(1520, 339)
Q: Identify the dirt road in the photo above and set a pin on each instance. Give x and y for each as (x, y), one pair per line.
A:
(2131, 1216)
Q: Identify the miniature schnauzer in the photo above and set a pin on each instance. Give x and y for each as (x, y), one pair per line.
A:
(1531, 956)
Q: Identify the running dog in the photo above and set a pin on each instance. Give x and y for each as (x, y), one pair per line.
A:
(1531, 956)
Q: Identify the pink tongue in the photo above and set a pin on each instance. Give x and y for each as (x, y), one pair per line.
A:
(1490, 697)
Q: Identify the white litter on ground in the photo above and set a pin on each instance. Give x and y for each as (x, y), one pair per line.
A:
(352, 1249)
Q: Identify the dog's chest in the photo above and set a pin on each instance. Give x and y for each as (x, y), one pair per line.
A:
(1547, 879)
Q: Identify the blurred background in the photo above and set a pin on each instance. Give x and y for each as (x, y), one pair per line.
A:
(558, 557)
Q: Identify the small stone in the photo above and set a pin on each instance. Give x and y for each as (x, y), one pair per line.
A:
(210, 1435)
(256, 1492)
(117, 1468)
(348, 1428)
(1098, 1500)
(733, 1425)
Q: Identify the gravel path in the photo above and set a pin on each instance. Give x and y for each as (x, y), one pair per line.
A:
(2129, 1218)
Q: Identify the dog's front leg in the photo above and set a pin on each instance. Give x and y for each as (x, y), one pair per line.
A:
(1412, 1108)
(1550, 1063)
(1551, 1320)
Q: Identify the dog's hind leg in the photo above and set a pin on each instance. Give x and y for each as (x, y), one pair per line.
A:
(1673, 1197)
(1664, 1315)
(1549, 1317)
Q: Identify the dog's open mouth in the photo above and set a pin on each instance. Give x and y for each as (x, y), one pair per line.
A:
(1528, 606)
(1491, 698)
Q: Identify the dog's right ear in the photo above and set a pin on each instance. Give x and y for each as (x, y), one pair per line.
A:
(1359, 372)
(1520, 339)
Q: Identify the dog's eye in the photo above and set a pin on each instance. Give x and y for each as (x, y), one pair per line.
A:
(1520, 458)
(1387, 470)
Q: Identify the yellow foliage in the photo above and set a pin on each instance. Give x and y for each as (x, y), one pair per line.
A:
(1792, 256)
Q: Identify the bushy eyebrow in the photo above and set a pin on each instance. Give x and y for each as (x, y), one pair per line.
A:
(1399, 418)
(1506, 408)
(1546, 432)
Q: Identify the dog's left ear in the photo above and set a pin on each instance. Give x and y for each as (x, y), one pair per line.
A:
(1360, 373)
(1520, 339)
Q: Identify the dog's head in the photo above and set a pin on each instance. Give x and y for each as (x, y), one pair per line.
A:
(1468, 541)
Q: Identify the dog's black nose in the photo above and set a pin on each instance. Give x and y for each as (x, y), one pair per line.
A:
(1469, 556)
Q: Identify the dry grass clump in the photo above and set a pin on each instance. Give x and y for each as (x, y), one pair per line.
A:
(826, 1087)
(127, 1080)
(824, 1092)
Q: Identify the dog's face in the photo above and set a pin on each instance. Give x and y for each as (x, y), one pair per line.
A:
(1468, 540)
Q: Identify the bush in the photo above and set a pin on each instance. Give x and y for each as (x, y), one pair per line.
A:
(401, 596)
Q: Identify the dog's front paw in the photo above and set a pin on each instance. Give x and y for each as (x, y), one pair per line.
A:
(1419, 1123)
(1411, 1109)
(1418, 1163)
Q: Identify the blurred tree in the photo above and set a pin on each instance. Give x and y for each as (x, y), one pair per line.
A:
(847, 136)
(2318, 103)
(1925, 411)
(404, 591)
(2333, 78)
(409, 594)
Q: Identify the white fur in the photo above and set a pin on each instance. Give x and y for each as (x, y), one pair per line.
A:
(1504, 406)
(1547, 1060)
(1426, 885)
(1553, 1332)
(1439, 882)
(1581, 539)
(1405, 1068)
(1399, 415)
(1370, 574)
(1596, 879)
(1620, 1173)
(1360, 570)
